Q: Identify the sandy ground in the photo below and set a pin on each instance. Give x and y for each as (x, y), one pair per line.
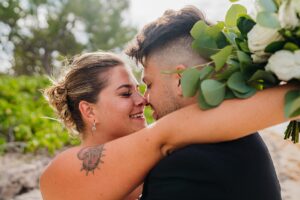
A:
(286, 158)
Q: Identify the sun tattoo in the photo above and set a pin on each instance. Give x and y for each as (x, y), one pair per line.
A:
(91, 158)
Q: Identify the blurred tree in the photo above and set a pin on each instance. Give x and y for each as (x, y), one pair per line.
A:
(41, 31)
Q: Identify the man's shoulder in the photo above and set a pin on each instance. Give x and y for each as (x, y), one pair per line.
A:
(210, 169)
(216, 154)
(245, 142)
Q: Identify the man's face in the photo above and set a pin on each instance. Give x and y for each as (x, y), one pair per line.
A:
(162, 89)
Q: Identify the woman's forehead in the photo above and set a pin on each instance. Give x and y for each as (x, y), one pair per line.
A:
(120, 75)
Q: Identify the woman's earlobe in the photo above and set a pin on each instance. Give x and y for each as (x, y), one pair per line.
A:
(94, 127)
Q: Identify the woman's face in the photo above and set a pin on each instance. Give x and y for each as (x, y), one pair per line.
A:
(120, 106)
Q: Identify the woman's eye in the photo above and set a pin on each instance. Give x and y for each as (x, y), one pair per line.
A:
(127, 94)
(149, 86)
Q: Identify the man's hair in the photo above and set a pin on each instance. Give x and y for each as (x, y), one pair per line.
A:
(170, 31)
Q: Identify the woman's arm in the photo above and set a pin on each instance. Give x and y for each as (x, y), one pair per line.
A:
(124, 162)
(135, 195)
(231, 120)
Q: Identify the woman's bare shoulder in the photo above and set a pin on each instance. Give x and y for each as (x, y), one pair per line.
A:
(60, 171)
(64, 161)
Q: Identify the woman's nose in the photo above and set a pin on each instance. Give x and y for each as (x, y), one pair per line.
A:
(140, 100)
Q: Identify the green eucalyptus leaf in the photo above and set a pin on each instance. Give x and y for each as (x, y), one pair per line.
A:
(234, 12)
(213, 91)
(190, 82)
(242, 45)
(295, 108)
(221, 40)
(275, 46)
(268, 19)
(214, 30)
(290, 107)
(247, 70)
(233, 61)
(220, 58)
(267, 5)
(233, 1)
(216, 33)
(263, 75)
(206, 72)
(232, 67)
(291, 46)
(208, 39)
(231, 36)
(243, 57)
(237, 83)
(220, 24)
(248, 94)
(245, 24)
(198, 29)
(229, 94)
(205, 45)
(202, 103)
(257, 66)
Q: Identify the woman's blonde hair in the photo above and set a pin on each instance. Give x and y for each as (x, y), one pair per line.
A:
(84, 80)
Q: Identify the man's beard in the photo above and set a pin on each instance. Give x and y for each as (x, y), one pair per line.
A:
(170, 106)
(169, 103)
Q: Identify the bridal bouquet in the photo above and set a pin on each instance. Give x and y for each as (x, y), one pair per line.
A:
(248, 54)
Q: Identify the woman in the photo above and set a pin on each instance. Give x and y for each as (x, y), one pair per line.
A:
(99, 99)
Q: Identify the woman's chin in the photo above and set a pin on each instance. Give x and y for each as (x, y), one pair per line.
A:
(139, 126)
(134, 127)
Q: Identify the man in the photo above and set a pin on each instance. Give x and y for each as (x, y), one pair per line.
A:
(237, 170)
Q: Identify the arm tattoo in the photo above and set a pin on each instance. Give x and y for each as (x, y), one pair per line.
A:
(91, 158)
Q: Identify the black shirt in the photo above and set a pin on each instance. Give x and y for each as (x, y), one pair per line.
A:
(238, 170)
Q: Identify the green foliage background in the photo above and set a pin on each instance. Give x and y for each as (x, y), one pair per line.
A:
(23, 116)
(40, 33)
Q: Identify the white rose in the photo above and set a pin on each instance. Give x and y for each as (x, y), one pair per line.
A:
(285, 65)
(287, 13)
(258, 39)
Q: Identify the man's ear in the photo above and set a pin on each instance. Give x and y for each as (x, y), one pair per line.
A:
(87, 111)
(179, 68)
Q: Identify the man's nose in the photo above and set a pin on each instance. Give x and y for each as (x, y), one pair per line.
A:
(147, 97)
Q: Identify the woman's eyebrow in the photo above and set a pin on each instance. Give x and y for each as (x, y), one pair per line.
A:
(129, 86)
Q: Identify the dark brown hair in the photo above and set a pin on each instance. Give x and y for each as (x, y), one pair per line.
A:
(159, 33)
(84, 80)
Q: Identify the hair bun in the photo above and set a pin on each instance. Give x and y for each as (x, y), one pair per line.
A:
(57, 96)
(60, 93)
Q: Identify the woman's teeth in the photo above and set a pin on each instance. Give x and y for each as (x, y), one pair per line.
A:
(137, 115)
